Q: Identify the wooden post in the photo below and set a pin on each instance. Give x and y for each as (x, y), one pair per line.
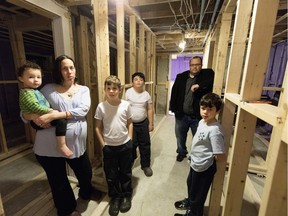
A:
(100, 8)
(222, 52)
(260, 38)
(1, 207)
(120, 41)
(274, 197)
(84, 78)
(241, 25)
(132, 46)
(141, 54)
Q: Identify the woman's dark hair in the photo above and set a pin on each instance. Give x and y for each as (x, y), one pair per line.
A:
(28, 65)
(140, 74)
(210, 100)
(56, 74)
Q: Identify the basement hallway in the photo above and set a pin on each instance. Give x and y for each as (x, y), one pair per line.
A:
(152, 196)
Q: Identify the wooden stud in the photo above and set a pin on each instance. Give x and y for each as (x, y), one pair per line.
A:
(84, 78)
(141, 54)
(120, 41)
(132, 46)
(222, 52)
(100, 8)
(238, 45)
(274, 199)
(261, 30)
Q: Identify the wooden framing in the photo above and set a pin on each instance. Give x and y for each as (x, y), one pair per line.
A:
(222, 52)
(1, 207)
(84, 78)
(132, 47)
(120, 41)
(141, 53)
(261, 31)
(100, 8)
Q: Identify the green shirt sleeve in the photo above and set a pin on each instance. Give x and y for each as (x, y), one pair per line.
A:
(29, 103)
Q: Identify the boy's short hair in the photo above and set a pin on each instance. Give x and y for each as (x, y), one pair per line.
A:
(140, 74)
(210, 100)
(28, 65)
(112, 80)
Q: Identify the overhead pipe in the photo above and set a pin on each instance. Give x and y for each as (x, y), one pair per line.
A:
(212, 22)
(203, 2)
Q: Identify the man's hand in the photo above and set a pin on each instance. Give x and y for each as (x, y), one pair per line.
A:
(194, 87)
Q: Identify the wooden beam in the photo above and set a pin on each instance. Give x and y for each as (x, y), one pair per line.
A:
(63, 36)
(227, 121)
(259, 44)
(222, 52)
(266, 112)
(120, 41)
(275, 189)
(135, 3)
(260, 38)
(49, 8)
(100, 8)
(84, 75)
(281, 18)
(238, 46)
(240, 154)
(141, 54)
(132, 47)
(2, 213)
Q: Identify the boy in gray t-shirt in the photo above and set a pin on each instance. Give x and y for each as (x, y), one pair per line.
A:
(207, 148)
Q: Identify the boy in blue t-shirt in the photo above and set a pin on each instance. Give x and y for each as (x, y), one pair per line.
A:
(207, 148)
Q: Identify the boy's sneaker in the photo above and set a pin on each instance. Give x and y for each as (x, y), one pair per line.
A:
(147, 171)
(114, 206)
(182, 204)
(186, 214)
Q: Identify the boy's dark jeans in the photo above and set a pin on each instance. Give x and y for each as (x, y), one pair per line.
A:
(141, 139)
(198, 184)
(117, 167)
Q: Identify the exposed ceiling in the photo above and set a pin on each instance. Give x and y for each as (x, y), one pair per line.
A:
(169, 20)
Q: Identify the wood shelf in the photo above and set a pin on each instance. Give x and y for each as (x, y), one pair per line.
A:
(268, 113)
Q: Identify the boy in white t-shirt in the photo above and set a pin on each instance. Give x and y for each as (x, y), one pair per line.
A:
(142, 110)
(114, 130)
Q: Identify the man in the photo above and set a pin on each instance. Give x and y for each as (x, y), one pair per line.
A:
(187, 91)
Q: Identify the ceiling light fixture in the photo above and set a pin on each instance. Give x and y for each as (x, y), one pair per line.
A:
(182, 44)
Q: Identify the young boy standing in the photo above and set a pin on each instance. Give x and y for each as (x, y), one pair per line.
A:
(207, 148)
(142, 110)
(114, 130)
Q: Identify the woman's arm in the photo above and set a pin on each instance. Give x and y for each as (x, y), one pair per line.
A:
(84, 105)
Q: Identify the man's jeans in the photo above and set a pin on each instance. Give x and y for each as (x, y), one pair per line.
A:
(182, 126)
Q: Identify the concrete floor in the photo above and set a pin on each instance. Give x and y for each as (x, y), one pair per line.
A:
(151, 196)
(156, 195)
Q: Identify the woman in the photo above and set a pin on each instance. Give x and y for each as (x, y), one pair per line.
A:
(73, 103)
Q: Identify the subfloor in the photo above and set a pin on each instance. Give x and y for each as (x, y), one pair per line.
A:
(25, 191)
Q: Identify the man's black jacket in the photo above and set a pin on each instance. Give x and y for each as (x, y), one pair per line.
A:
(204, 79)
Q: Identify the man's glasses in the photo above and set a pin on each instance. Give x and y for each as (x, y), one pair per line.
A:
(195, 65)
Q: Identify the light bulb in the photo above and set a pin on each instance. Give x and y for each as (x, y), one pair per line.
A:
(182, 44)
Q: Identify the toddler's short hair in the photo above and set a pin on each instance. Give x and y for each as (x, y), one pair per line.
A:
(28, 65)
(140, 74)
(112, 80)
(210, 100)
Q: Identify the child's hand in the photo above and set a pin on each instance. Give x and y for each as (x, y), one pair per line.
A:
(151, 127)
